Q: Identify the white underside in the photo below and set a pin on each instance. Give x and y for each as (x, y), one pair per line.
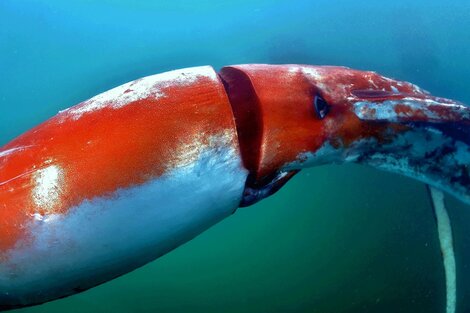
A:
(107, 237)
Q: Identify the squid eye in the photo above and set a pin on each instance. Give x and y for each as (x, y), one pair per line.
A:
(321, 106)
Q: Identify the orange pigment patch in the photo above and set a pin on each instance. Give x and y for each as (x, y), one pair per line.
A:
(416, 114)
(349, 129)
(403, 109)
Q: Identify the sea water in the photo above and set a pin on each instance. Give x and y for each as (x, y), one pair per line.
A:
(337, 238)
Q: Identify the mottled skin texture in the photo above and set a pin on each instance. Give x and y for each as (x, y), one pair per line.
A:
(266, 116)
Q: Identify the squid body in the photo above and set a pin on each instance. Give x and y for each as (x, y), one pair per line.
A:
(116, 181)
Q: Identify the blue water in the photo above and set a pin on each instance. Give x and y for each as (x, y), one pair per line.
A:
(336, 238)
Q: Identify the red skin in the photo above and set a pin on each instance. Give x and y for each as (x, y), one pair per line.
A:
(287, 125)
(108, 149)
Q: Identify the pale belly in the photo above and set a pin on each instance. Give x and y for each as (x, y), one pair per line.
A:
(109, 236)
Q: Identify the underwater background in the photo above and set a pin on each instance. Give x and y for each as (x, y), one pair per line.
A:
(334, 239)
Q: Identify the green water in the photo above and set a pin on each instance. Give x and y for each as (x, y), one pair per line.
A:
(336, 238)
